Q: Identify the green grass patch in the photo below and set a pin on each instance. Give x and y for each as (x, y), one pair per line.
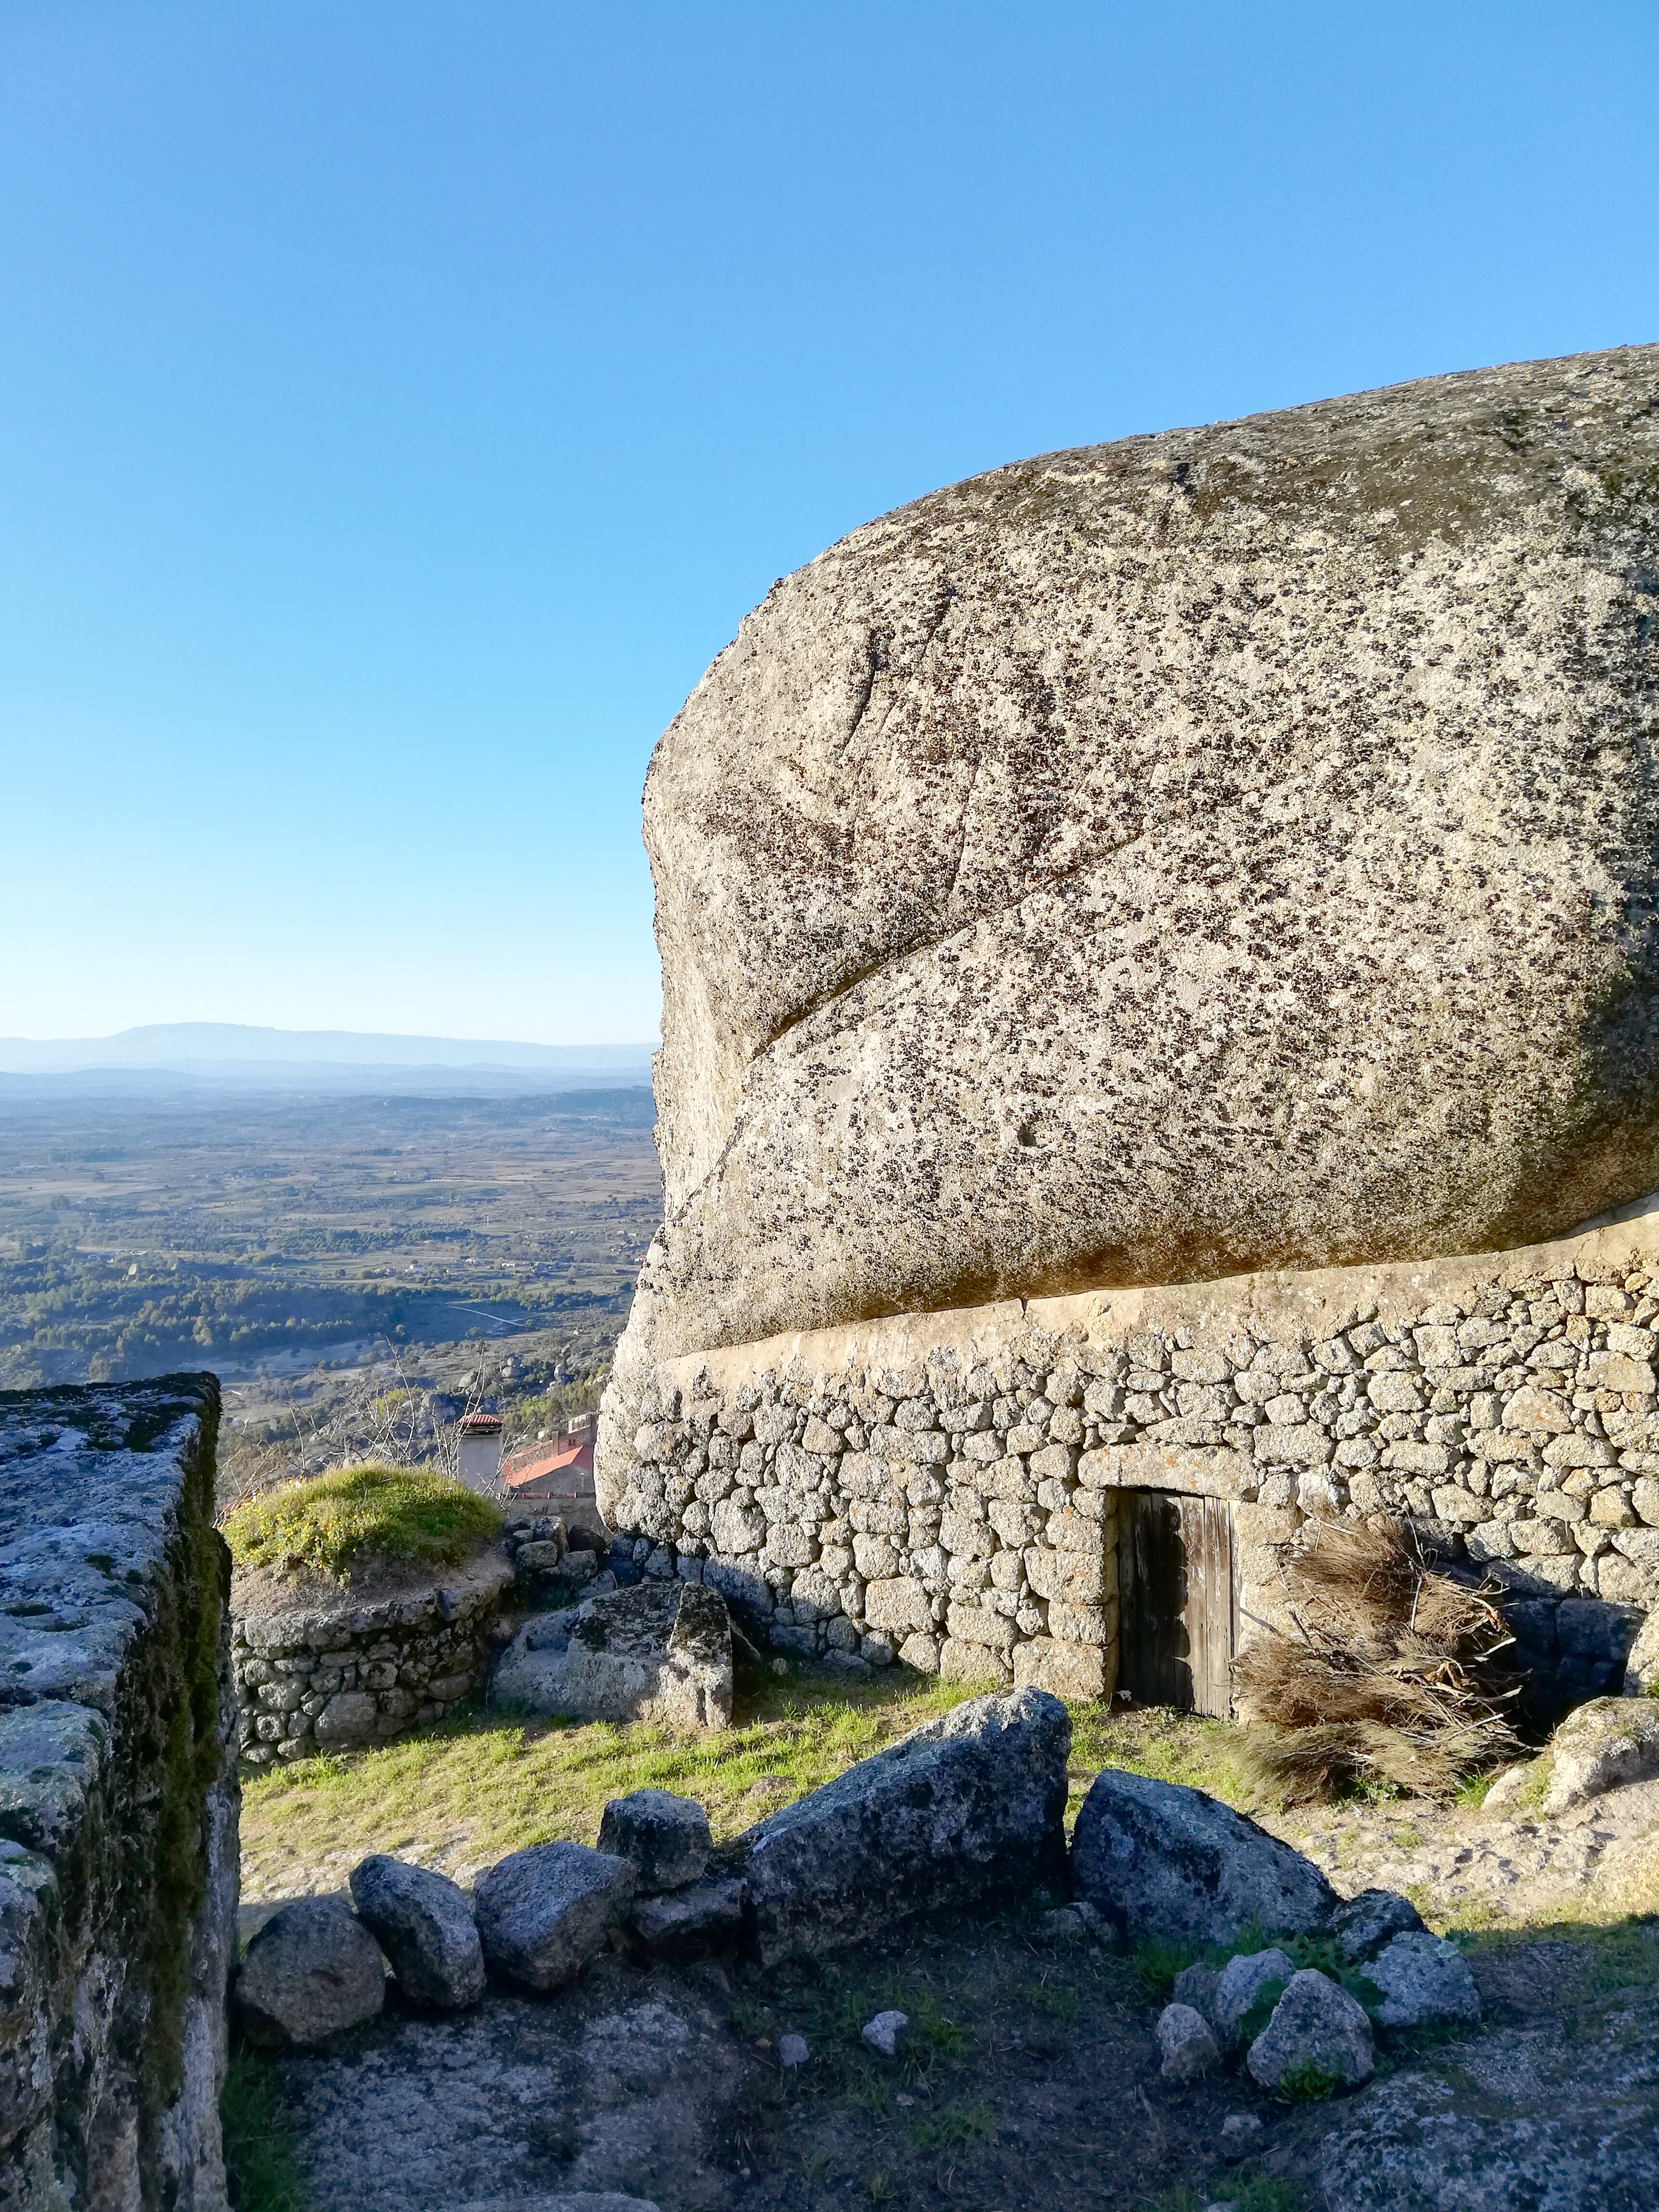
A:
(1260, 2193)
(1168, 1746)
(1617, 1955)
(483, 1783)
(1055, 1999)
(259, 2155)
(1533, 1790)
(1155, 1964)
(1308, 2084)
(959, 2128)
(487, 1784)
(354, 1515)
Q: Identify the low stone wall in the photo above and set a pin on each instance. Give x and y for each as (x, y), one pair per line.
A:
(941, 1487)
(119, 1799)
(314, 1677)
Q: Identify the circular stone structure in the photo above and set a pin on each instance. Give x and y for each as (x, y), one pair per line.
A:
(322, 1669)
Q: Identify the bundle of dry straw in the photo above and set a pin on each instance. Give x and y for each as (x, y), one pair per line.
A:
(1389, 1672)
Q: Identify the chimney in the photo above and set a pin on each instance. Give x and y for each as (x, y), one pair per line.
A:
(480, 1458)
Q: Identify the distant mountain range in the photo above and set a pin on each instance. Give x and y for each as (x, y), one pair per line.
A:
(216, 1053)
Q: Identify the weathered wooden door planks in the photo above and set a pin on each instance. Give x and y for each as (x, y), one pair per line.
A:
(1176, 1607)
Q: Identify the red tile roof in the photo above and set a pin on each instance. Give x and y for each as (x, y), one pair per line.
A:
(559, 1457)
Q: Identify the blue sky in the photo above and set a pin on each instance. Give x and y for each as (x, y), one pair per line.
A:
(401, 401)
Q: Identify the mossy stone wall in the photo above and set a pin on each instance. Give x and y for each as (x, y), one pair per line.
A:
(118, 1798)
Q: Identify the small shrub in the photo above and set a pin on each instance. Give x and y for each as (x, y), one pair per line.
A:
(1155, 1964)
(1389, 1676)
(1307, 2084)
(353, 1514)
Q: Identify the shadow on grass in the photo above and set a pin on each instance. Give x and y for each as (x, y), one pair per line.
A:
(260, 2163)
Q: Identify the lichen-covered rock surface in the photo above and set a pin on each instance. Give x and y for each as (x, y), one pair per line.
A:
(960, 1809)
(1552, 2113)
(1169, 1863)
(618, 2083)
(1231, 848)
(118, 1801)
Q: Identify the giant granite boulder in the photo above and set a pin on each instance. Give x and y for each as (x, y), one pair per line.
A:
(1224, 850)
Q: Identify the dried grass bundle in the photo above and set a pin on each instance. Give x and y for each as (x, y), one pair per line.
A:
(1388, 1674)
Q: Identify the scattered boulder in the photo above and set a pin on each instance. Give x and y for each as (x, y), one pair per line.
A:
(424, 1925)
(661, 1651)
(887, 2032)
(1425, 1982)
(1503, 1799)
(664, 1838)
(1317, 2039)
(1600, 1746)
(543, 1913)
(957, 1808)
(1241, 2133)
(312, 1972)
(1244, 1983)
(1196, 1986)
(1166, 1860)
(1187, 2049)
(1366, 1923)
(1070, 1924)
(700, 1917)
(792, 2051)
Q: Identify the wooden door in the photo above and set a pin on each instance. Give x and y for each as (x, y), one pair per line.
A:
(1176, 1612)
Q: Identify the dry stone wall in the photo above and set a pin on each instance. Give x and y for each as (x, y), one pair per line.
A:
(312, 1678)
(118, 1802)
(942, 1487)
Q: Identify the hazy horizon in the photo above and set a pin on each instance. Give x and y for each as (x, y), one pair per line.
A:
(192, 1046)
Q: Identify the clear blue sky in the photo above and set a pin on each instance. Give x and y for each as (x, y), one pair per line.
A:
(401, 401)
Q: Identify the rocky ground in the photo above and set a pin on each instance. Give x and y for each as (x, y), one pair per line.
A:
(1033, 2078)
(1464, 1867)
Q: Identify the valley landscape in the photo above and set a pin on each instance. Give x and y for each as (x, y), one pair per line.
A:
(319, 1249)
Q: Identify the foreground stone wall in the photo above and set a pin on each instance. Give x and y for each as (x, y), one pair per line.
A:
(312, 1678)
(118, 1798)
(942, 1487)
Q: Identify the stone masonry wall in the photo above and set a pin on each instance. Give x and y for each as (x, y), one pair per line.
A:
(941, 1487)
(314, 1678)
(119, 1804)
